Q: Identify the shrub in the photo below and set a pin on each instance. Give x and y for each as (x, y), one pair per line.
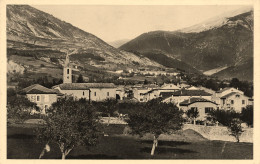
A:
(247, 115)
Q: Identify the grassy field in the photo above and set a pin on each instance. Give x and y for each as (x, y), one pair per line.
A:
(21, 144)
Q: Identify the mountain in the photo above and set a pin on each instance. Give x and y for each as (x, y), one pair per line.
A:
(118, 43)
(226, 44)
(31, 32)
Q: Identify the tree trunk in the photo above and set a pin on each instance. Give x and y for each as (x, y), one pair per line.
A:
(63, 156)
(108, 119)
(237, 139)
(155, 144)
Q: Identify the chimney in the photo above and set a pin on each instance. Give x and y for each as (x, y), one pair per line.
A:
(189, 100)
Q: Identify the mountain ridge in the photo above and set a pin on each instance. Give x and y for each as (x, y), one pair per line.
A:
(31, 29)
(229, 45)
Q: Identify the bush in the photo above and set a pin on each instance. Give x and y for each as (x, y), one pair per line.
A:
(247, 115)
(224, 117)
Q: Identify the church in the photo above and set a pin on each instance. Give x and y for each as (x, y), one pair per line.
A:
(89, 91)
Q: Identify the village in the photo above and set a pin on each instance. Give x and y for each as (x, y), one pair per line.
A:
(183, 95)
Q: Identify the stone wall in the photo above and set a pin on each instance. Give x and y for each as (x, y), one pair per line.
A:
(220, 133)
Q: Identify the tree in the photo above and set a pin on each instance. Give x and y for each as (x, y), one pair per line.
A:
(80, 79)
(155, 117)
(109, 106)
(234, 83)
(19, 107)
(193, 113)
(70, 123)
(223, 116)
(247, 115)
(235, 128)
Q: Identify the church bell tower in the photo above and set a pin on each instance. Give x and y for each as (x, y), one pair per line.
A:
(67, 71)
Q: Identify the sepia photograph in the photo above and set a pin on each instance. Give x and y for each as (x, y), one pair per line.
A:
(115, 81)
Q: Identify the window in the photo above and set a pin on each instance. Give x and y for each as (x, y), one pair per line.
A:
(83, 93)
(68, 71)
(95, 93)
(38, 98)
(237, 95)
(194, 109)
(208, 109)
(243, 101)
(33, 98)
(232, 101)
(141, 99)
(107, 93)
(45, 106)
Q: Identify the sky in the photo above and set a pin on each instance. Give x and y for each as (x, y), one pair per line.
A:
(118, 22)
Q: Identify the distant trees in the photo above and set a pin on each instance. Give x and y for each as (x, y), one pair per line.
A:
(155, 117)
(44, 81)
(247, 115)
(193, 113)
(80, 79)
(69, 124)
(243, 86)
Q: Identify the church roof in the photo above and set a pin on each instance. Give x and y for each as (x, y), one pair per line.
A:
(84, 86)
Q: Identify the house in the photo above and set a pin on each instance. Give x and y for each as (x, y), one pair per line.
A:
(204, 106)
(235, 101)
(155, 93)
(139, 92)
(226, 91)
(184, 94)
(231, 98)
(42, 96)
(89, 91)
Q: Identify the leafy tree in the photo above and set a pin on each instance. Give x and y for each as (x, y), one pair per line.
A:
(235, 128)
(193, 113)
(247, 115)
(70, 123)
(223, 116)
(109, 106)
(155, 117)
(80, 79)
(19, 107)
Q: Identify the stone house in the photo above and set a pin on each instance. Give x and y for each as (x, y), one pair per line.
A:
(204, 106)
(42, 96)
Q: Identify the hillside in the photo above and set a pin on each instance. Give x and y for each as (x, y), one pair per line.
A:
(31, 32)
(227, 44)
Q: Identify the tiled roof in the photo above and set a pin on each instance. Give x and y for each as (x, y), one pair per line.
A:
(185, 92)
(225, 89)
(38, 89)
(194, 100)
(84, 86)
(231, 94)
(166, 94)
